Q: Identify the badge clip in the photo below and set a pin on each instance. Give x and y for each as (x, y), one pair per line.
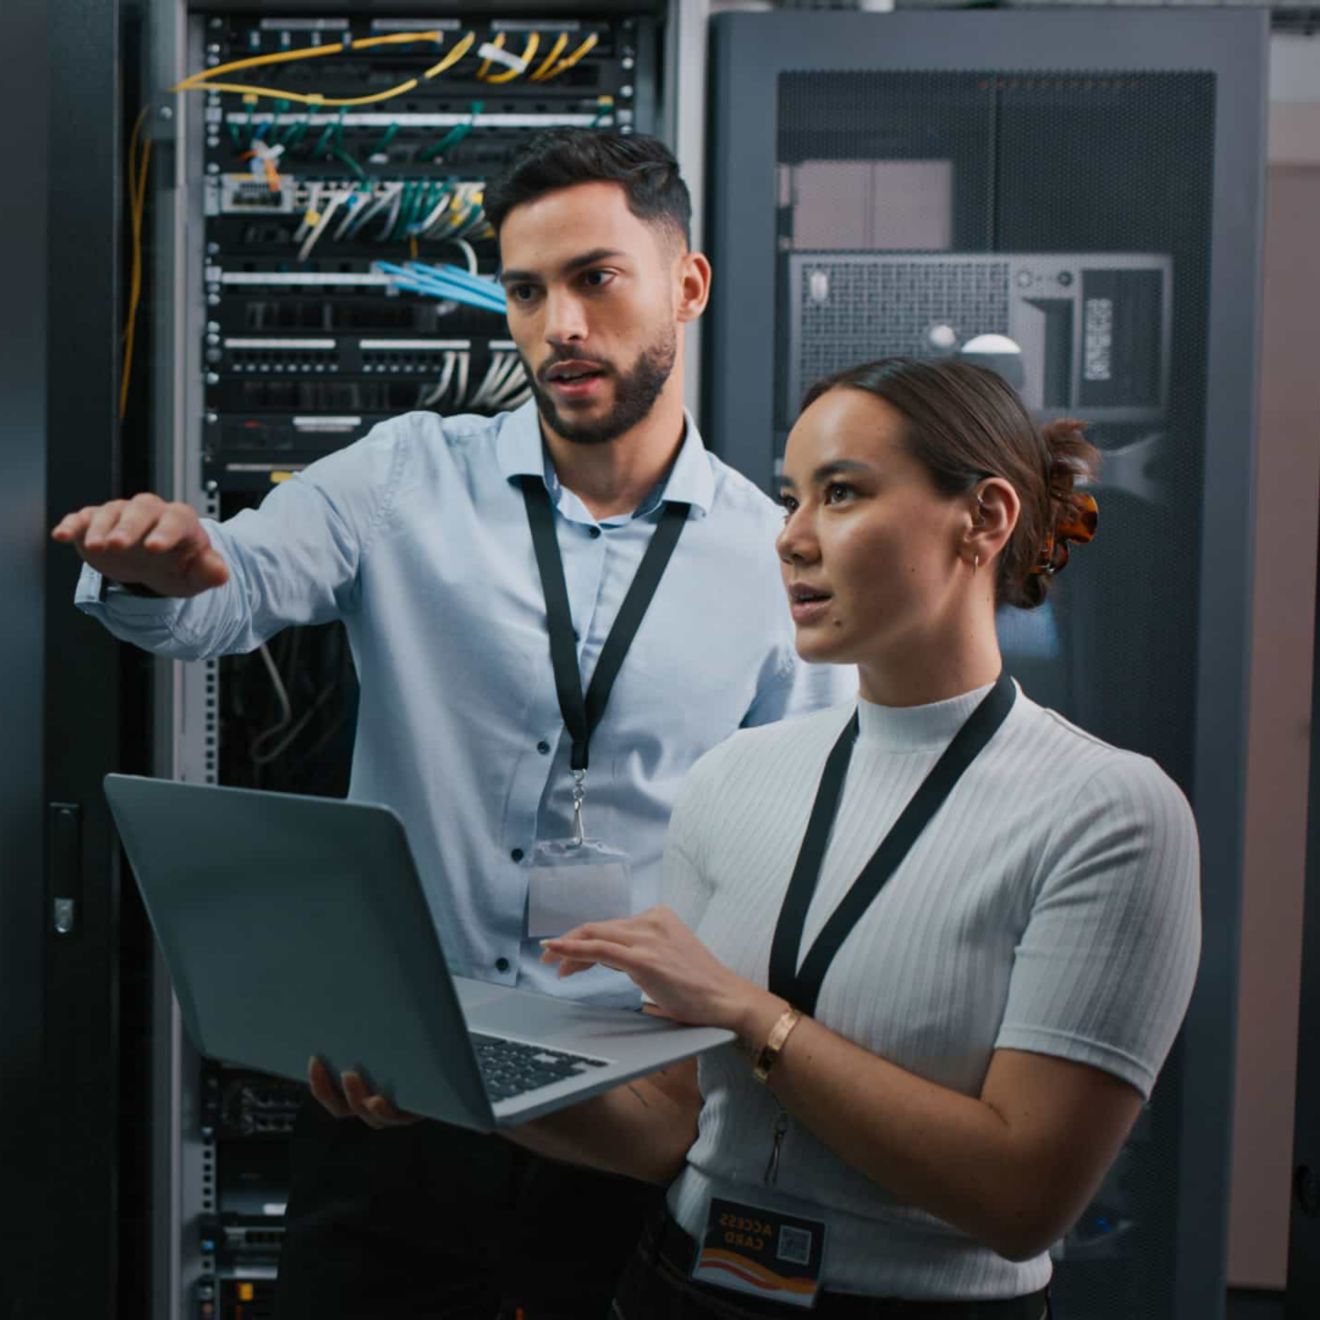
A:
(579, 795)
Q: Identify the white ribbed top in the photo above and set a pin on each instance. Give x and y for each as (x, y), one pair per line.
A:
(1052, 905)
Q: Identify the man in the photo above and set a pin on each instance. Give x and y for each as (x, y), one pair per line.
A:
(423, 539)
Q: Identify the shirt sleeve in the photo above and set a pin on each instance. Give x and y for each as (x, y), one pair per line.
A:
(295, 559)
(1105, 967)
(795, 687)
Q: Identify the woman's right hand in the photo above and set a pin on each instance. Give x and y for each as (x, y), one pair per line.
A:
(146, 541)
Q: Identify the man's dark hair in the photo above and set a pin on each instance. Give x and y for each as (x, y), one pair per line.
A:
(561, 157)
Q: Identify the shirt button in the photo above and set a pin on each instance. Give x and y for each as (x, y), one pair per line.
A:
(543, 747)
(517, 854)
(595, 532)
(501, 964)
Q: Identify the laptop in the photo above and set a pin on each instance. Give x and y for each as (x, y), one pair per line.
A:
(294, 926)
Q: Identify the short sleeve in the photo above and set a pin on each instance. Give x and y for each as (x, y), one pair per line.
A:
(1105, 967)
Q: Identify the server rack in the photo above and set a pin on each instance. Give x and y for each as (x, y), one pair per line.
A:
(971, 170)
(279, 335)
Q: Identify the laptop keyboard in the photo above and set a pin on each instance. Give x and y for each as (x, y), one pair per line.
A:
(509, 1068)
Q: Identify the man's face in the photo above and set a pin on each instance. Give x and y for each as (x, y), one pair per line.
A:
(595, 297)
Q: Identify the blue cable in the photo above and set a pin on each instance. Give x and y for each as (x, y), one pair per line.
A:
(450, 282)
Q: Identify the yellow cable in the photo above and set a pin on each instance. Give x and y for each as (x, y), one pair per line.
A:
(453, 57)
(312, 98)
(570, 60)
(555, 51)
(498, 44)
(525, 59)
(317, 98)
(396, 39)
(137, 190)
(194, 80)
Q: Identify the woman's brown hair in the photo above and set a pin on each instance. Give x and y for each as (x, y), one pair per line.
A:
(966, 423)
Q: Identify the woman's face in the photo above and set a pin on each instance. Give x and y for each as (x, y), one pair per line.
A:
(872, 553)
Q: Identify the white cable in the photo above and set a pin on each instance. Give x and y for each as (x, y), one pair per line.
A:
(353, 211)
(464, 363)
(321, 225)
(313, 204)
(265, 758)
(446, 375)
(469, 253)
(388, 228)
(514, 385)
(360, 218)
(376, 203)
(436, 212)
(281, 693)
(508, 369)
(479, 398)
(505, 367)
(281, 696)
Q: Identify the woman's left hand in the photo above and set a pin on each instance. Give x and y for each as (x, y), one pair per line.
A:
(671, 965)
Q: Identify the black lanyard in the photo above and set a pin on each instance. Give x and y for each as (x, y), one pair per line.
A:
(801, 986)
(583, 713)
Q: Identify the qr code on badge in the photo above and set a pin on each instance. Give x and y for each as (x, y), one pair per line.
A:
(794, 1245)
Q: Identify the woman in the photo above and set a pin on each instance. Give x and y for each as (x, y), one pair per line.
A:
(939, 1067)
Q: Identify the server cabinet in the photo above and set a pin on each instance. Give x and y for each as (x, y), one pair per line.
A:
(1074, 198)
(73, 1049)
(281, 333)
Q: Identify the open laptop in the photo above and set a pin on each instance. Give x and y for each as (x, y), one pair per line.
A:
(294, 926)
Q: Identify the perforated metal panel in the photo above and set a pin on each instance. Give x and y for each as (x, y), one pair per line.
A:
(1090, 332)
(850, 308)
(1142, 168)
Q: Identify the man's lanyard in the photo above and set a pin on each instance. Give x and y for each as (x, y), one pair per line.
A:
(801, 986)
(582, 713)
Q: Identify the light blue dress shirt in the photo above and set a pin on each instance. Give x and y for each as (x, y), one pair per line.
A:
(416, 537)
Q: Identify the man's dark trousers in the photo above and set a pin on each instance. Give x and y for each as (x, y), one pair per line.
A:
(433, 1221)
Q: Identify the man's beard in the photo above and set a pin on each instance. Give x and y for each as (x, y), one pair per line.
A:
(635, 393)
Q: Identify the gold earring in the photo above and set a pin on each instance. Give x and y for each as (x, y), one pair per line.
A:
(976, 563)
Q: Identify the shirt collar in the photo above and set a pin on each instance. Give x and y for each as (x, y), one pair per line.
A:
(521, 453)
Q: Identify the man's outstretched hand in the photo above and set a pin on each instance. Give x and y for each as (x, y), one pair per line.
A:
(146, 541)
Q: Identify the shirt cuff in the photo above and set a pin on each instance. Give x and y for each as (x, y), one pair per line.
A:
(92, 598)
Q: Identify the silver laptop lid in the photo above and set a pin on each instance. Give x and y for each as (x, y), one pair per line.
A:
(294, 926)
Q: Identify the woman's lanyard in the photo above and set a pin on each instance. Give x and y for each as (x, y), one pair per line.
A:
(800, 985)
(583, 712)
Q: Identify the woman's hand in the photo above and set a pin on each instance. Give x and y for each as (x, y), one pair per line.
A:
(354, 1097)
(673, 967)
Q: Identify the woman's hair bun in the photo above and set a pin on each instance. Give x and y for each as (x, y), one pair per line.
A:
(1071, 463)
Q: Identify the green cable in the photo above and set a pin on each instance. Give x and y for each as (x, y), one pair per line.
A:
(405, 204)
(340, 154)
(386, 138)
(281, 108)
(293, 133)
(420, 199)
(455, 134)
(335, 129)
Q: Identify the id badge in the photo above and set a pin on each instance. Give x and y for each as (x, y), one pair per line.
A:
(572, 883)
(763, 1252)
